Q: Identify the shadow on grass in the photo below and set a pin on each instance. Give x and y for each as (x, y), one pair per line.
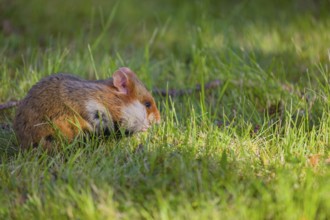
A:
(8, 144)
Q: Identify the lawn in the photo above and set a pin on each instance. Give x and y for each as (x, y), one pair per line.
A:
(257, 146)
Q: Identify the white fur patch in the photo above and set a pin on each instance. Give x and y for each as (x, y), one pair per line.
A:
(134, 117)
(99, 117)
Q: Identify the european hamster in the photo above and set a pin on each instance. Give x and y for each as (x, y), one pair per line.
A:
(71, 105)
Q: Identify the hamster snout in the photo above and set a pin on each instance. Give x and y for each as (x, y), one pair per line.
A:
(135, 118)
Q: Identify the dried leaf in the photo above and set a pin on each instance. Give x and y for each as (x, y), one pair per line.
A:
(314, 159)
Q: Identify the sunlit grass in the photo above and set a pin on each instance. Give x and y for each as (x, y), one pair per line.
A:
(256, 147)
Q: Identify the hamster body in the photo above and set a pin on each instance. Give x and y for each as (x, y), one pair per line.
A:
(71, 105)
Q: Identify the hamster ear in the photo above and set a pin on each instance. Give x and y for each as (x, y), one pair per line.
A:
(128, 71)
(120, 81)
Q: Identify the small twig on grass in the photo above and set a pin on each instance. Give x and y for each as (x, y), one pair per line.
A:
(9, 104)
(180, 92)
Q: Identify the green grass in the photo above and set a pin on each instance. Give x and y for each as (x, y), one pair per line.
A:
(240, 151)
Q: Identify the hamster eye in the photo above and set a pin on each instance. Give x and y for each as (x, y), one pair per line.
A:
(147, 104)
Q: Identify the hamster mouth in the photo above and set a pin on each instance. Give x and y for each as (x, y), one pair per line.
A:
(145, 128)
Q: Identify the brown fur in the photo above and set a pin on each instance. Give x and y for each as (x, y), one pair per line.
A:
(58, 103)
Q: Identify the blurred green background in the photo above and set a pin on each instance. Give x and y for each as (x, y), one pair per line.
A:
(170, 28)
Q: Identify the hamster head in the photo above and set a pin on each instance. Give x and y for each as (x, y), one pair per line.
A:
(139, 111)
